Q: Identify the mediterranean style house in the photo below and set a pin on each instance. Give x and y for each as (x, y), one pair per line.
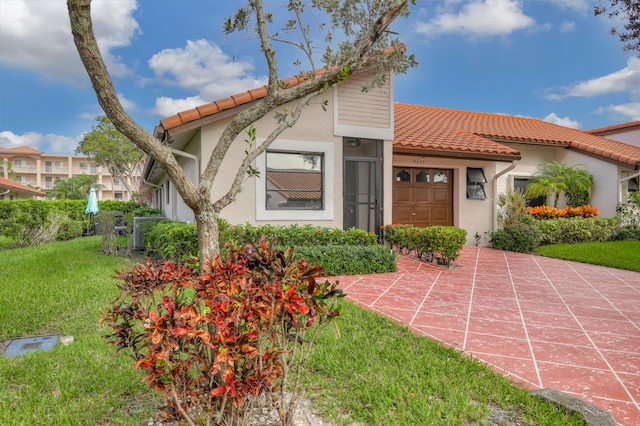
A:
(357, 159)
(32, 168)
(10, 190)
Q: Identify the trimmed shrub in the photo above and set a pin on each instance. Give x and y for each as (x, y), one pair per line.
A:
(576, 230)
(171, 240)
(444, 242)
(339, 252)
(447, 242)
(349, 259)
(520, 237)
(297, 235)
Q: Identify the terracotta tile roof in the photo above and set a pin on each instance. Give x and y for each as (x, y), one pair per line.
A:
(26, 150)
(18, 187)
(242, 98)
(232, 101)
(455, 131)
(621, 126)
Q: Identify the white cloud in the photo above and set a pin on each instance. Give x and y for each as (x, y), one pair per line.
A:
(624, 80)
(629, 111)
(202, 67)
(49, 143)
(562, 121)
(567, 26)
(127, 104)
(480, 18)
(36, 35)
(166, 106)
(580, 6)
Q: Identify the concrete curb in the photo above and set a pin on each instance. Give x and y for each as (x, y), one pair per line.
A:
(593, 415)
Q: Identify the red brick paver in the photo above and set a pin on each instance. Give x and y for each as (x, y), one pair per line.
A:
(543, 322)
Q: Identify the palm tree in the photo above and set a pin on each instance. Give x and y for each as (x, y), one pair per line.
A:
(75, 188)
(555, 179)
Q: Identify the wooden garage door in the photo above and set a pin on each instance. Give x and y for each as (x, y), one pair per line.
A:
(422, 197)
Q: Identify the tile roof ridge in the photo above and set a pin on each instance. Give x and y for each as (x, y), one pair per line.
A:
(20, 150)
(614, 127)
(462, 111)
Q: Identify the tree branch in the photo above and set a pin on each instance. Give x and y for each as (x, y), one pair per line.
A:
(317, 83)
(288, 122)
(84, 39)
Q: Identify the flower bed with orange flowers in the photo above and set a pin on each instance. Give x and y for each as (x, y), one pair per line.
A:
(548, 212)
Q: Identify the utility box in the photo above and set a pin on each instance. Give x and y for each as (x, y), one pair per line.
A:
(138, 244)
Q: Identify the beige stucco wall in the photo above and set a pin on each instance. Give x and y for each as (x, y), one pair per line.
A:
(605, 191)
(604, 194)
(317, 125)
(630, 136)
(475, 216)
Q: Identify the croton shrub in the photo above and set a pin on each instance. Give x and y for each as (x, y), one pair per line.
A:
(434, 242)
(212, 344)
(548, 212)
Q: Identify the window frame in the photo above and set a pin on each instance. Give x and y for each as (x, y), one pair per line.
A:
(295, 190)
(326, 149)
(475, 184)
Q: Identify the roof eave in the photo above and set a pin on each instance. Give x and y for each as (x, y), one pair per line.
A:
(623, 160)
(492, 156)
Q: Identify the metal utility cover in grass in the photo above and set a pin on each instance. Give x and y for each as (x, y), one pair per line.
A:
(25, 345)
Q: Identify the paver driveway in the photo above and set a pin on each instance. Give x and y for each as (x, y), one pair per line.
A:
(545, 323)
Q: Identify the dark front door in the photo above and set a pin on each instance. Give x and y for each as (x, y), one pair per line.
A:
(362, 193)
(422, 197)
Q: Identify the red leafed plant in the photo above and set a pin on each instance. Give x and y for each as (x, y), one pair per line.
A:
(211, 344)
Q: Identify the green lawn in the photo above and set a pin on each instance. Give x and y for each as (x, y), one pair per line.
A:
(59, 289)
(365, 368)
(616, 254)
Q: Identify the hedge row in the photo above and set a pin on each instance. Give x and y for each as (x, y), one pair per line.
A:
(527, 235)
(339, 252)
(443, 242)
(32, 222)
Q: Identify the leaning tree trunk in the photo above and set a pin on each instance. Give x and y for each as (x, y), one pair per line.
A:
(208, 235)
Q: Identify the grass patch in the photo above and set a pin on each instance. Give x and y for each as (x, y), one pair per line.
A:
(59, 288)
(369, 369)
(366, 368)
(615, 254)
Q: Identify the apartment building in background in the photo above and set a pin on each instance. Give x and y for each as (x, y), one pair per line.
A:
(28, 166)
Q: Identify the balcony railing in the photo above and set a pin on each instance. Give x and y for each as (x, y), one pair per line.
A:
(55, 170)
(27, 182)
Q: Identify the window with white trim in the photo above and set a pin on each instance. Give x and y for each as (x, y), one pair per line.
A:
(294, 180)
(20, 164)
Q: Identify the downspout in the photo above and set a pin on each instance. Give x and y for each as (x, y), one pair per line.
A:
(494, 189)
(620, 189)
(5, 192)
(192, 157)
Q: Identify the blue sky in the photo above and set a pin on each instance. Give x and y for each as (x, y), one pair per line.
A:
(549, 59)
